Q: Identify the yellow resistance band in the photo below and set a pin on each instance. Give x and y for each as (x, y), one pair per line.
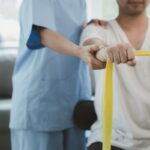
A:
(108, 102)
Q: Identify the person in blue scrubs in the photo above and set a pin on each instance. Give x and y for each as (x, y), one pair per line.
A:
(51, 75)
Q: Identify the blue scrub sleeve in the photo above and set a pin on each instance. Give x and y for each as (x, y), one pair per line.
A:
(34, 40)
(43, 16)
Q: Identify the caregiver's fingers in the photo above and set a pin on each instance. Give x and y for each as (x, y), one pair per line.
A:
(88, 55)
(94, 48)
(97, 22)
(96, 64)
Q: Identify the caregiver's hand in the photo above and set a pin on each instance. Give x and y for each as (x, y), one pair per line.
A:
(97, 22)
(118, 53)
(87, 54)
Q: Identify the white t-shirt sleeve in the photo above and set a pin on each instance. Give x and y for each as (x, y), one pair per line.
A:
(38, 13)
(93, 31)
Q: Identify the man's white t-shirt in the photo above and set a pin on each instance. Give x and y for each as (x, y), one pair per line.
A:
(131, 116)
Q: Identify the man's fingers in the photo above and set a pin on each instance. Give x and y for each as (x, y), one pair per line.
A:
(123, 56)
(131, 56)
(116, 55)
(110, 54)
(130, 53)
(131, 63)
(120, 53)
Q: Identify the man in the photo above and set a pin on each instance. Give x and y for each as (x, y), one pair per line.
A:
(128, 33)
(50, 76)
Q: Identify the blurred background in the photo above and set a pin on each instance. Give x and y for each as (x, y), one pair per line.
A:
(9, 26)
(9, 39)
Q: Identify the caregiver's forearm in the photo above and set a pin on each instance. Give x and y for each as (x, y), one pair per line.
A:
(58, 43)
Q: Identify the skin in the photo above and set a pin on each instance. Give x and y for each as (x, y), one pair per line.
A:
(59, 44)
(133, 20)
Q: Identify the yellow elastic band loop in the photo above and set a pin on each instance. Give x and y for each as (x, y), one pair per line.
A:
(142, 53)
(108, 102)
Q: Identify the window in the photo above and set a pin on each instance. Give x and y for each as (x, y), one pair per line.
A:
(9, 26)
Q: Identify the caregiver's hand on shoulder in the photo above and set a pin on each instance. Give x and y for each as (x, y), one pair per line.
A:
(118, 53)
(88, 55)
(97, 22)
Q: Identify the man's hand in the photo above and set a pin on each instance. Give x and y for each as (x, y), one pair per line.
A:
(87, 54)
(118, 53)
(97, 22)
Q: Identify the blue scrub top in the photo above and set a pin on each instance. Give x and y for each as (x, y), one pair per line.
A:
(47, 84)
